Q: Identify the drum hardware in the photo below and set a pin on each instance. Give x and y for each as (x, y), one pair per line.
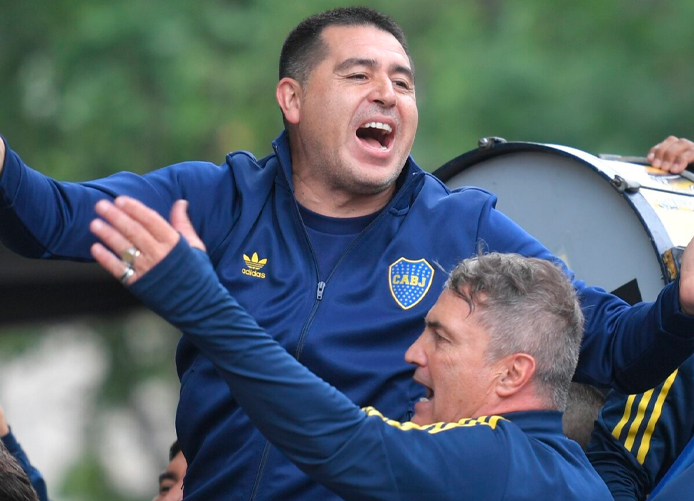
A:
(622, 185)
(687, 174)
(672, 259)
(625, 158)
(489, 142)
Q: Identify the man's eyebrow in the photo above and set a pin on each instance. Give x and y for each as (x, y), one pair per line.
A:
(404, 70)
(356, 61)
(372, 63)
(433, 324)
(167, 475)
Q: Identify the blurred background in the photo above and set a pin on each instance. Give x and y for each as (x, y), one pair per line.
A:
(90, 87)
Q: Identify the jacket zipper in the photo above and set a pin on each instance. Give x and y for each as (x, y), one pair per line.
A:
(320, 289)
(321, 285)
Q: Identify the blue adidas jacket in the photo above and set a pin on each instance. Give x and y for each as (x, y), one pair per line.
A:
(637, 438)
(359, 454)
(352, 329)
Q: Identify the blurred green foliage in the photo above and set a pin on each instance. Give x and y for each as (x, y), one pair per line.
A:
(90, 87)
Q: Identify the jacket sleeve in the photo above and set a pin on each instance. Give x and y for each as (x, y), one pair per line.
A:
(35, 477)
(44, 218)
(637, 438)
(632, 348)
(317, 427)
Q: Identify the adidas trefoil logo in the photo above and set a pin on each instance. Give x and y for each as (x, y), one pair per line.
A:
(253, 265)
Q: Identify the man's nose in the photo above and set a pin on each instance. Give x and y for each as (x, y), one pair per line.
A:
(383, 92)
(415, 353)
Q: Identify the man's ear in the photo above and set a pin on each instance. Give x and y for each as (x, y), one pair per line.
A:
(289, 95)
(516, 372)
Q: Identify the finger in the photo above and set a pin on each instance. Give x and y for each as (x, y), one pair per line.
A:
(130, 230)
(113, 239)
(656, 153)
(111, 263)
(118, 244)
(149, 219)
(182, 223)
(679, 155)
(685, 159)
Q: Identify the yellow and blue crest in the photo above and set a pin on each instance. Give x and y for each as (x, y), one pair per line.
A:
(409, 281)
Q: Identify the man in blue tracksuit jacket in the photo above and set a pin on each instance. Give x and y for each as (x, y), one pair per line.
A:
(637, 438)
(496, 355)
(333, 244)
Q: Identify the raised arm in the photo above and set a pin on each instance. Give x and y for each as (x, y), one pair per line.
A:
(41, 217)
(309, 420)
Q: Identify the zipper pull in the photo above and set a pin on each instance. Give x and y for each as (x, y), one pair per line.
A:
(319, 293)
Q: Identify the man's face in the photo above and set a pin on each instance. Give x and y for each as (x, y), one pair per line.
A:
(358, 114)
(171, 481)
(451, 364)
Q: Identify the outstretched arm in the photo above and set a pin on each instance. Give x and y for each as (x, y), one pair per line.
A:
(673, 155)
(314, 424)
(41, 217)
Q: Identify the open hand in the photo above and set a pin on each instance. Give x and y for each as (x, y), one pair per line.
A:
(138, 237)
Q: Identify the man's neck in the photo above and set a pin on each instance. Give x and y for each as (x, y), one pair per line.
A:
(338, 203)
(526, 400)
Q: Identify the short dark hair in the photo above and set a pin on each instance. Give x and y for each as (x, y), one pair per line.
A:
(304, 48)
(14, 482)
(581, 411)
(527, 305)
(174, 449)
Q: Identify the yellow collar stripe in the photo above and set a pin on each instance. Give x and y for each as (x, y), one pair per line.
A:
(490, 421)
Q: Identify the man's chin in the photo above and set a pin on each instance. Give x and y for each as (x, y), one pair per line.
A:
(421, 419)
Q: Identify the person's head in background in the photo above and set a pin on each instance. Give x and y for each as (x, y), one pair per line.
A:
(171, 481)
(14, 483)
(582, 410)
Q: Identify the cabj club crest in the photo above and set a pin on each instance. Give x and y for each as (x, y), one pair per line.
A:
(409, 281)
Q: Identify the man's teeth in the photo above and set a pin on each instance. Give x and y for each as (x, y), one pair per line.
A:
(423, 399)
(378, 125)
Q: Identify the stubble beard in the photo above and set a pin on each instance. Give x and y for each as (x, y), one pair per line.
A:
(344, 176)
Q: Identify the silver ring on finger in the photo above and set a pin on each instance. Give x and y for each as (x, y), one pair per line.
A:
(129, 272)
(129, 255)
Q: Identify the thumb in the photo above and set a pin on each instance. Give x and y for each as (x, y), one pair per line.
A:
(181, 223)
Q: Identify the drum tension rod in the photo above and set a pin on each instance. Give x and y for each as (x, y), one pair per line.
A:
(489, 142)
(622, 185)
